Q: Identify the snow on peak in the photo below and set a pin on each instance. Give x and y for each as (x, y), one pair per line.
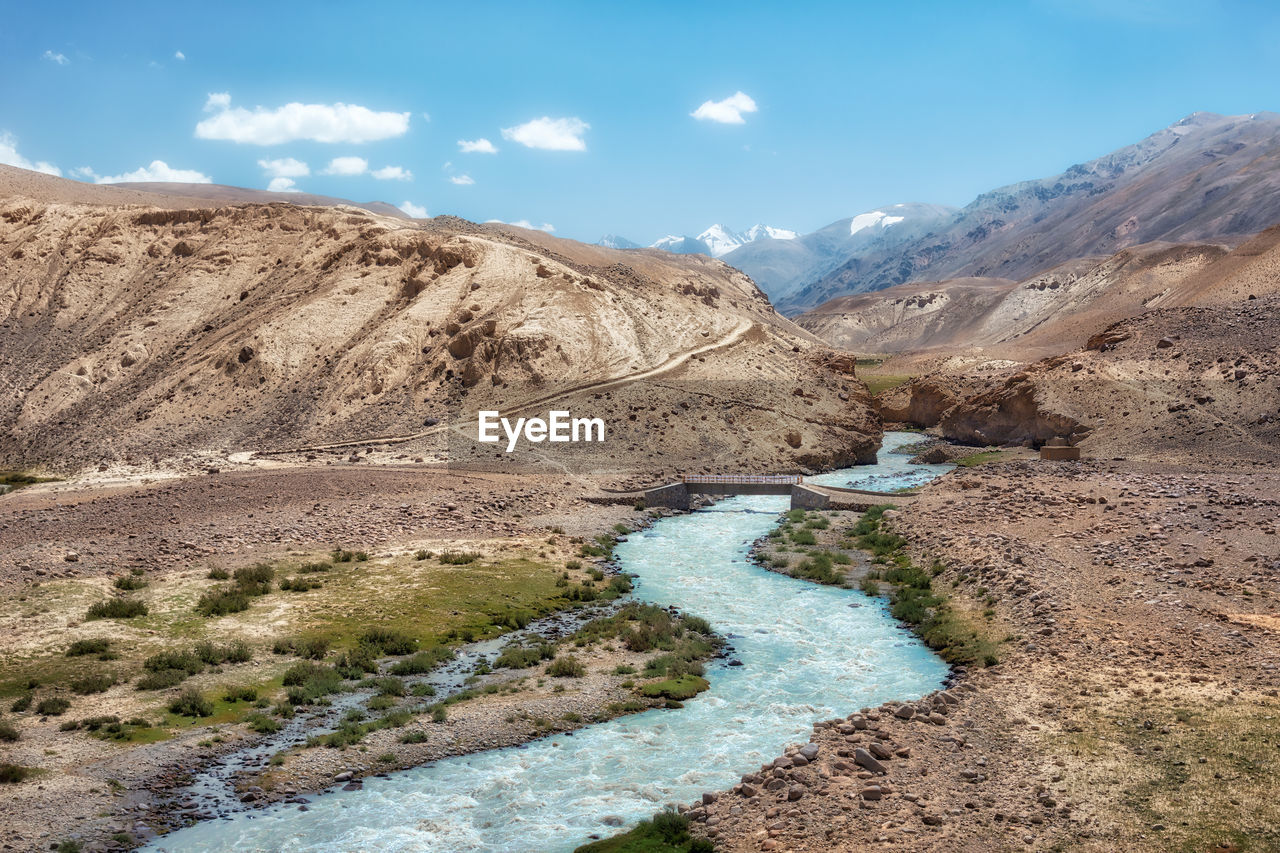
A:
(720, 240)
(870, 220)
(759, 232)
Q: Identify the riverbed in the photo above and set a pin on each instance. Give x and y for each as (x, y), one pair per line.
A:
(807, 653)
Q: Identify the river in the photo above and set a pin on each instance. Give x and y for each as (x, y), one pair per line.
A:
(808, 653)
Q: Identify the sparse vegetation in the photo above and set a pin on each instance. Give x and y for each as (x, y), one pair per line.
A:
(53, 706)
(191, 703)
(116, 608)
(665, 832)
(12, 774)
(81, 648)
(566, 667)
(458, 558)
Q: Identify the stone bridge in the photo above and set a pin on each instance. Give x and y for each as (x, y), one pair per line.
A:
(803, 495)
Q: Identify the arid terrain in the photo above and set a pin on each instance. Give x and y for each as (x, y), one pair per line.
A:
(253, 426)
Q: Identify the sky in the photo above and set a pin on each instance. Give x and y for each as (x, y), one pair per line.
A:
(637, 119)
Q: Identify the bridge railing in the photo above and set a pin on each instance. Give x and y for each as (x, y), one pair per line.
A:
(745, 479)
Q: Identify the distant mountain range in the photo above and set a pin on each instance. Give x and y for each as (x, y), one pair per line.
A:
(1206, 178)
(717, 241)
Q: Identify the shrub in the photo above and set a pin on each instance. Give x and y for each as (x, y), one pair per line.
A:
(116, 608)
(240, 694)
(566, 667)
(388, 642)
(130, 582)
(415, 736)
(191, 703)
(299, 584)
(262, 724)
(439, 714)
(381, 703)
(423, 690)
(54, 706)
(803, 537)
(870, 587)
(222, 601)
(88, 647)
(12, 774)
(93, 683)
(422, 662)
(309, 648)
(421, 554)
(516, 656)
(21, 704)
(313, 568)
(573, 565)
(189, 662)
(307, 682)
(219, 575)
(458, 558)
(8, 731)
(161, 679)
(255, 579)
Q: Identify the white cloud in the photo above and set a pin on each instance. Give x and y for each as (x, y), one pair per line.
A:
(316, 122)
(285, 167)
(179, 55)
(728, 111)
(10, 157)
(476, 146)
(550, 134)
(392, 173)
(346, 166)
(56, 57)
(462, 180)
(157, 172)
(282, 185)
(417, 211)
(524, 223)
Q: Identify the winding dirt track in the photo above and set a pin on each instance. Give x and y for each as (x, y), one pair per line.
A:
(667, 366)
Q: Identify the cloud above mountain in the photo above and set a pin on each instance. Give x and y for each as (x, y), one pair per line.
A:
(728, 111)
(550, 134)
(156, 172)
(331, 123)
(10, 157)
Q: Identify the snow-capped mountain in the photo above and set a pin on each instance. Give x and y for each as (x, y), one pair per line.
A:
(718, 241)
(613, 241)
(782, 266)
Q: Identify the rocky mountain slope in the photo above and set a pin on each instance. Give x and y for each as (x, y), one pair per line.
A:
(780, 267)
(1206, 178)
(1045, 314)
(149, 333)
(1196, 375)
(719, 240)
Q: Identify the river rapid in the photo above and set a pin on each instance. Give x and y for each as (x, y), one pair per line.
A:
(808, 653)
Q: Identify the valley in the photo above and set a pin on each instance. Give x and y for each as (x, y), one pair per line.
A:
(333, 525)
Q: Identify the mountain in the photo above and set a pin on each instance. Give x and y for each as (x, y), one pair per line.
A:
(613, 241)
(780, 267)
(1050, 312)
(1207, 178)
(148, 332)
(718, 241)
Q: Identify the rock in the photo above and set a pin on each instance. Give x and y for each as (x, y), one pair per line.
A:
(904, 712)
(708, 798)
(865, 759)
(795, 792)
(612, 820)
(871, 792)
(932, 820)
(879, 750)
(937, 719)
(344, 776)
(1164, 343)
(809, 751)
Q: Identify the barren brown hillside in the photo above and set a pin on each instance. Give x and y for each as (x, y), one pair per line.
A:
(144, 333)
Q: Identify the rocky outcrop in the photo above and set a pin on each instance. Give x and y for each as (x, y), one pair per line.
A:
(921, 402)
(1011, 414)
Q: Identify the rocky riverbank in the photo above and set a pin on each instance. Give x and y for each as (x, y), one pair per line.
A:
(1136, 696)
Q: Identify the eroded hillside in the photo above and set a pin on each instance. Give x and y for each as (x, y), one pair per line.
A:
(138, 334)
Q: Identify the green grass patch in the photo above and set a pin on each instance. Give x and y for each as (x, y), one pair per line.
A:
(684, 687)
(975, 459)
(878, 383)
(116, 608)
(665, 832)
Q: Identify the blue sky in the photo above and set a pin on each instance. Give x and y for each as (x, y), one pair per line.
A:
(856, 105)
